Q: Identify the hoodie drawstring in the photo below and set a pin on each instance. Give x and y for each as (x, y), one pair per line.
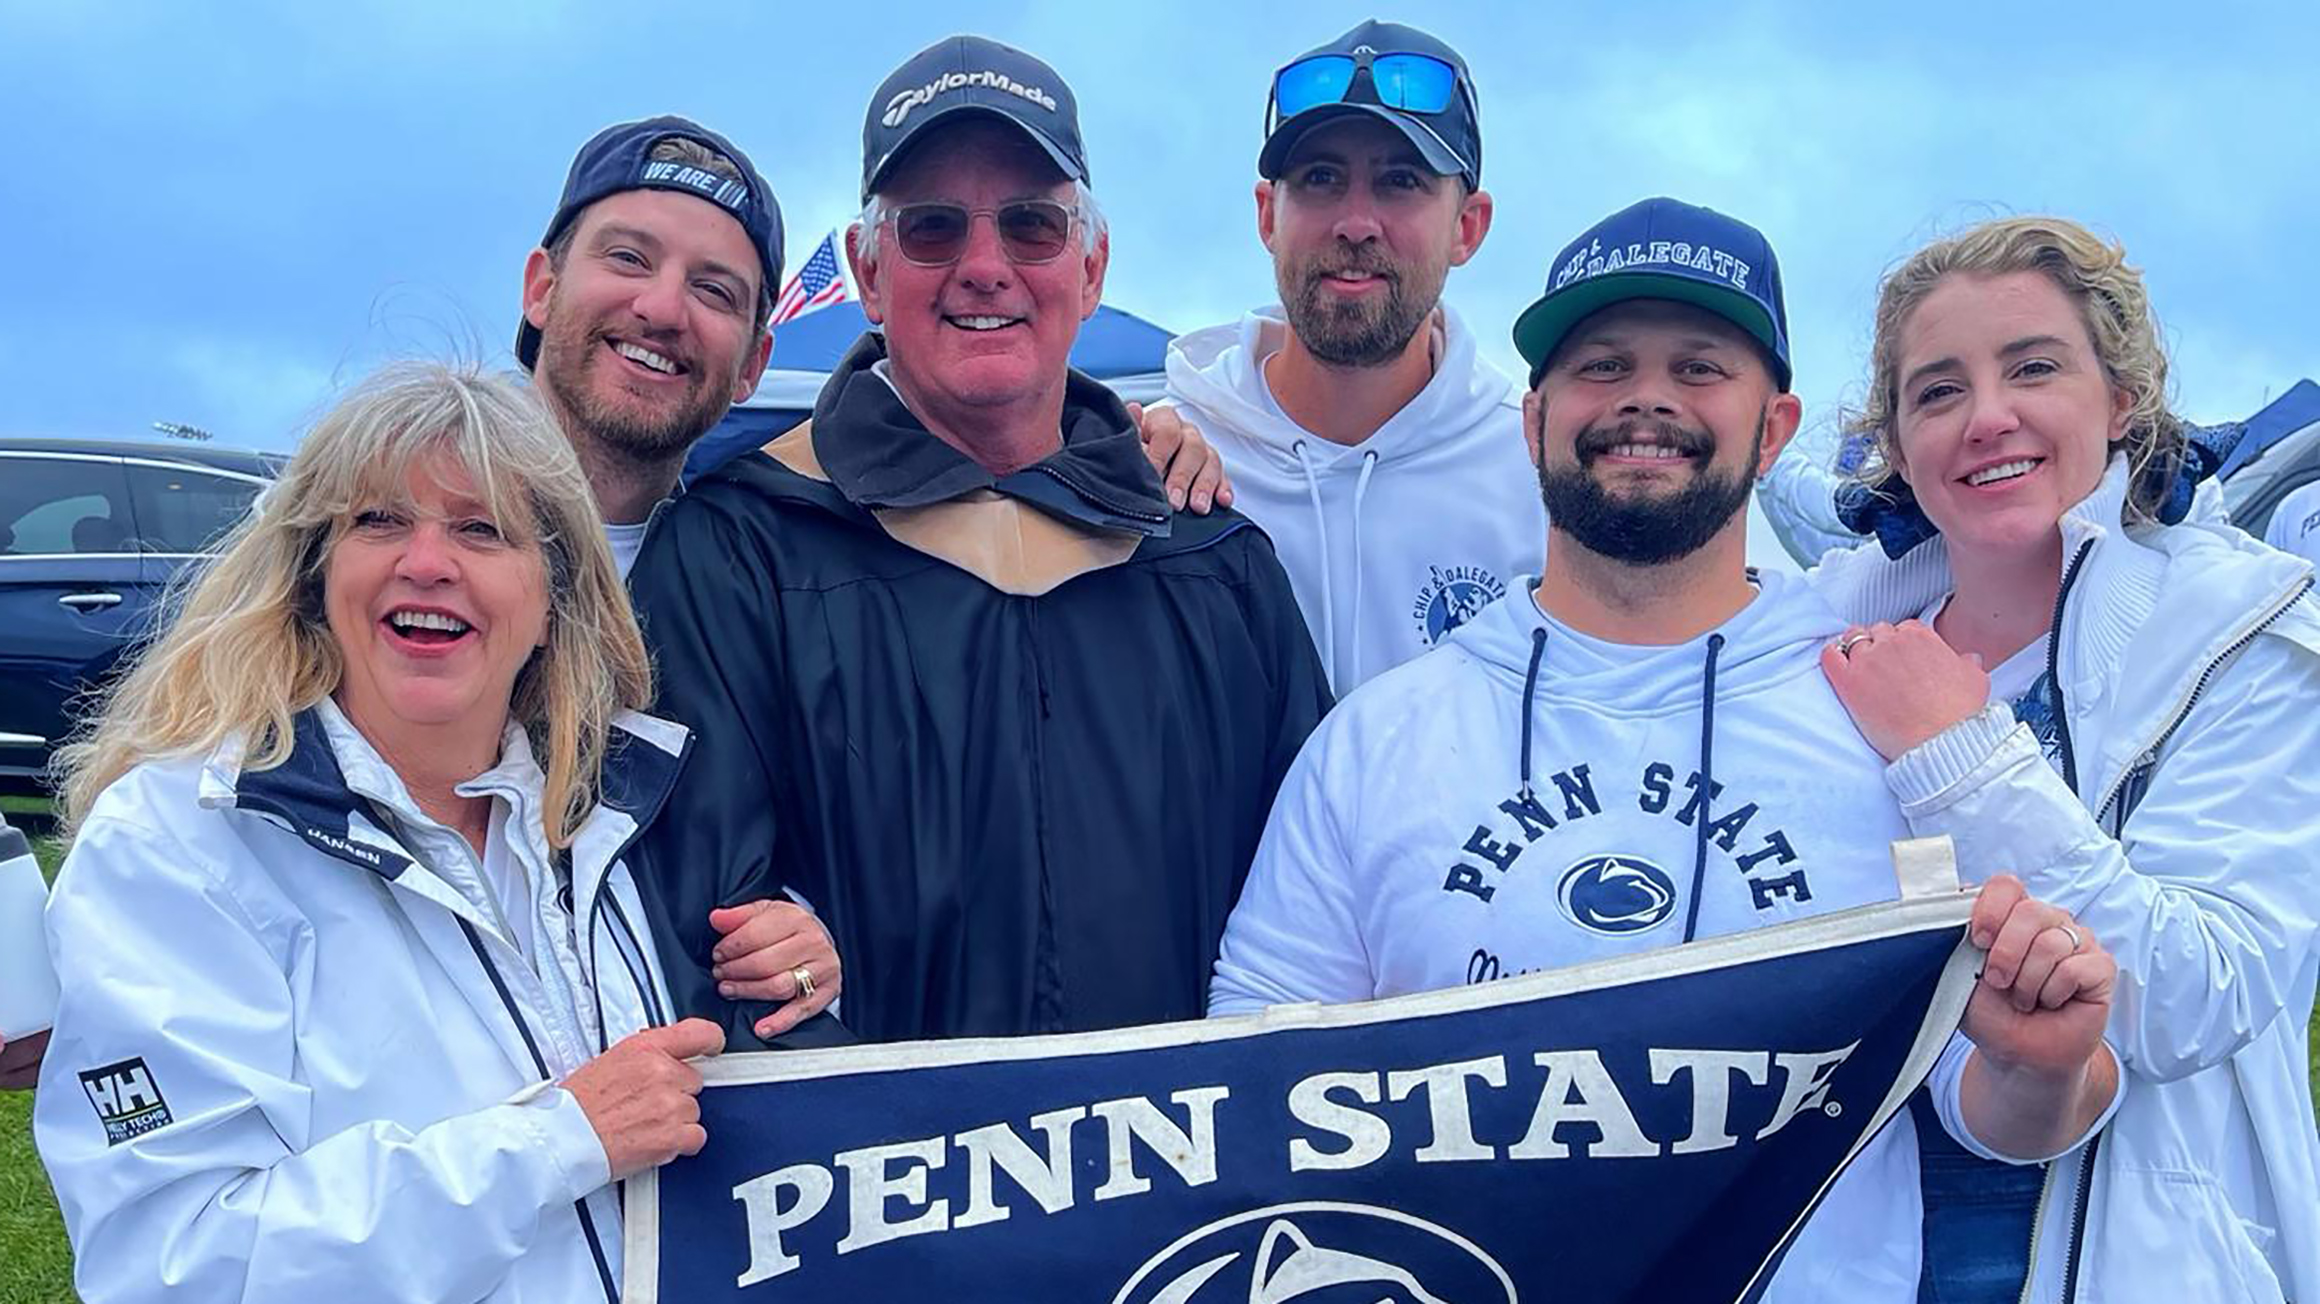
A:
(1328, 581)
(1707, 785)
(1531, 688)
(1369, 461)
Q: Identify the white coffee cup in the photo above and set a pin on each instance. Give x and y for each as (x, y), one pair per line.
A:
(28, 989)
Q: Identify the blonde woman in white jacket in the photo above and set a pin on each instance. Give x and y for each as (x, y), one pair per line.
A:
(2088, 681)
(356, 1003)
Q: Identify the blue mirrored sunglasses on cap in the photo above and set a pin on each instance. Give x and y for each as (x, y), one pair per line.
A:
(1415, 83)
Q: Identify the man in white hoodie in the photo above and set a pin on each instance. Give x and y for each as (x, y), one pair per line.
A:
(1363, 429)
(1638, 748)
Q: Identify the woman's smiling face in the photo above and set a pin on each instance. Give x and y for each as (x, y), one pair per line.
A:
(2004, 412)
(436, 606)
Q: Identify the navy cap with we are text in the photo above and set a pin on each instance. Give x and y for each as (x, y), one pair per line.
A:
(619, 158)
(1662, 249)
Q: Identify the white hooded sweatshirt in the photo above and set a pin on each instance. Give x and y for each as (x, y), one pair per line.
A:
(1390, 543)
(1402, 855)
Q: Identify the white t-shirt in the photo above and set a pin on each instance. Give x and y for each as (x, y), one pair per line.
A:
(627, 541)
(2295, 524)
(2020, 682)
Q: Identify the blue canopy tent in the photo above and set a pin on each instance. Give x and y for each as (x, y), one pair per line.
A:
(1118, 348)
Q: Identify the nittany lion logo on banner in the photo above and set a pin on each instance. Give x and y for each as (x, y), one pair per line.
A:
(1451, 597)
(1616, 895)
(1316, 1253)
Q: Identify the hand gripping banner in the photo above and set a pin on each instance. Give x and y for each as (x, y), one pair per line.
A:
(1650, 1128)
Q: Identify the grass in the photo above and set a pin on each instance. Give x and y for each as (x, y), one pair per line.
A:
(36, 1265)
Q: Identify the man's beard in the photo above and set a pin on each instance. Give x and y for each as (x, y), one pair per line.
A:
(636, 431)
(1357, 332)
(1646, 530)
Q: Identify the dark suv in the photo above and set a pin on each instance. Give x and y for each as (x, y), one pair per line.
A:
(90, 535)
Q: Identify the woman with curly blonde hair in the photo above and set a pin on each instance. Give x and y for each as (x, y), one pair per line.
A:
(2048, 601)
(355, 974)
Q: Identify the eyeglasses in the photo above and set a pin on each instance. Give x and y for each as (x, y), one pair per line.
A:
(935, 234)
(1414, 83)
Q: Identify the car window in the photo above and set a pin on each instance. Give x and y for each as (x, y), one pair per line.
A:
(51, 505)
(183, 510)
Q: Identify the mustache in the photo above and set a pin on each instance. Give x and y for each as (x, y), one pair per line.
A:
(1596, 440)
(1359, 259)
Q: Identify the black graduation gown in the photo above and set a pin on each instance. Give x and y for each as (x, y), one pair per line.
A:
(1016, 814)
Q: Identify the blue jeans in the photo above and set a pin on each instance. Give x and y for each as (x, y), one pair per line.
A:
(1978, 1216)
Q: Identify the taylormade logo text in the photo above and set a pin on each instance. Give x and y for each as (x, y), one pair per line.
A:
(901, 105)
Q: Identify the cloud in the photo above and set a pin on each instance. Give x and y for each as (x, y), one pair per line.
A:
(243, 186)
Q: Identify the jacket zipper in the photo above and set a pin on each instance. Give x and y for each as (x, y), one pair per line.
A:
(2068, 752)
(2069, 756)
(2150, 754)
(2081, 1186)
(2079, 1178)
(2082, 1178)
(540, 1062)
(2037, 1232)
(1047, 962)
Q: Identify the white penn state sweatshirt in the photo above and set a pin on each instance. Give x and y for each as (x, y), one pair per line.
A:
(1402, 854)
(1390, 543)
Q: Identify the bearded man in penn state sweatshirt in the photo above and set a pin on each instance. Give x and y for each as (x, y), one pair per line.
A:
(1639, 747)
(1364, 430)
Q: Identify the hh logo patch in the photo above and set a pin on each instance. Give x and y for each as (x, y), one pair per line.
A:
(126, 1100)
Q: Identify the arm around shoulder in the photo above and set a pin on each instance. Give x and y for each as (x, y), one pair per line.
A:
(711, 614)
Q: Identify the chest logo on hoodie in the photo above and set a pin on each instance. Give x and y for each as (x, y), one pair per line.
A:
(1452, 596)
(1616, 895)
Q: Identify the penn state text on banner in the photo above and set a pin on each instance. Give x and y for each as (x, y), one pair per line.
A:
(1648, 1128)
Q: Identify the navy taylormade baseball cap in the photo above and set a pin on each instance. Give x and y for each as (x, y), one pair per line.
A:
(1662, 249)
(970, 75)
(620, 158)
(1370, 70)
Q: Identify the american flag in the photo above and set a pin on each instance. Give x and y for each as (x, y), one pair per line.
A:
(818, 284)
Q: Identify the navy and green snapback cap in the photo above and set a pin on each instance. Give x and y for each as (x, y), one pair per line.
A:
(1662, 249)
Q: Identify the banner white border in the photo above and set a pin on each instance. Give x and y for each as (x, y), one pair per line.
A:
(1916, 914)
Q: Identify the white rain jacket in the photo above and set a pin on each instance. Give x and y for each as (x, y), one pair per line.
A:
(2188, 659)
(1402, 856)
(297, 1062)
(1390, 543)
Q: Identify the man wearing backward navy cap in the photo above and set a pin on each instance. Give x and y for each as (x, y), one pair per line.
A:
(960, 676)
(644, 319)
(645, 306)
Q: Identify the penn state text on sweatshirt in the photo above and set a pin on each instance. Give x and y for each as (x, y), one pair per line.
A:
(1448, 825)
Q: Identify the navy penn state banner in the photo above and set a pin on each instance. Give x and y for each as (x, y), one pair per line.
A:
(1650, 1128)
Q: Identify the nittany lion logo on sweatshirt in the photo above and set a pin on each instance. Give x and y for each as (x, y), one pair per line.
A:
(1616, 895)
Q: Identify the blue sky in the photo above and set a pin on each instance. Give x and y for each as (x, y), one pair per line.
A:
(218, 214)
